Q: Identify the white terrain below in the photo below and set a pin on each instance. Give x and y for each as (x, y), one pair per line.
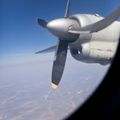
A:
(26, 93)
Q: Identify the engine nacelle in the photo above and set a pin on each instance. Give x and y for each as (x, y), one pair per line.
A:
(85, 49)
(96, 50)
(98, 47)
(84, 20)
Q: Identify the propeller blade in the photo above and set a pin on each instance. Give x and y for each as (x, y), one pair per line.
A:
(50, 49)
(67, 12)
(42, 22)
(78, 32)
(59, 62)
(104, 22)
(95, 27)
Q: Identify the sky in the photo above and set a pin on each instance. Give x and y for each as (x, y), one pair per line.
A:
(26, 93)
(19, 31)
(26, 86)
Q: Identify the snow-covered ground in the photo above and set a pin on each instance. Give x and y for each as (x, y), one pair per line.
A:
(26, 94)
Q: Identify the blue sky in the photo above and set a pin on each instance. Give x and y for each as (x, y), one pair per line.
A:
(19, 31)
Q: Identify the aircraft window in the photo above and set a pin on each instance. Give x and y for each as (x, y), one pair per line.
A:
(32, 86)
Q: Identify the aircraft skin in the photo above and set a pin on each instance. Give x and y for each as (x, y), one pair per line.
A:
(98, 47)
(90, 38)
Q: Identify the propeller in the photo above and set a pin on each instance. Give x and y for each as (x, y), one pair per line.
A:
(61, 54)
(67, 30)
(61, 49)
(67, 12)
(59, 62)
(95, 27)
(50, 49)
(42, 22)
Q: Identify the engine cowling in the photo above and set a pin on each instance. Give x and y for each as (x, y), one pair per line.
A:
(94, 52)
(98, 50)
(95, 47)
(83, 20)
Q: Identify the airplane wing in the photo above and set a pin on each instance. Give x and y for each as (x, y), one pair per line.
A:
(50, 49)
(95, 27)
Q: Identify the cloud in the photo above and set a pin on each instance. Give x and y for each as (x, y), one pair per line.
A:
(25, 87)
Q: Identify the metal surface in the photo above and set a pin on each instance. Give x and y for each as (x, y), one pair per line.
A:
(104, 22)
(60, 27)
(42, 22)
(50, 49)
(59, 62)
(90, 37)
(67, 12)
